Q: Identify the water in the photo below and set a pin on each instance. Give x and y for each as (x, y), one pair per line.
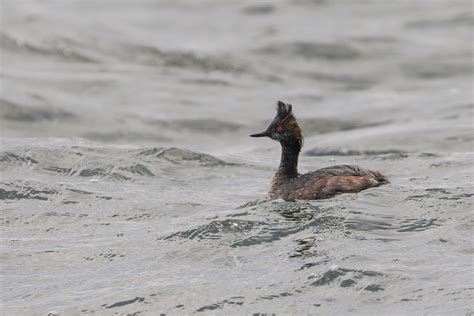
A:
(129, 184)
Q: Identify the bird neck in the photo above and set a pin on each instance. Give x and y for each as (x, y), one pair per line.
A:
(289, 159)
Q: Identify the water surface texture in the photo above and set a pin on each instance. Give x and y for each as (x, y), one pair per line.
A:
(129, 185)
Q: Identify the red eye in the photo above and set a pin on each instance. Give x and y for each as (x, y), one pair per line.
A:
(279, 129)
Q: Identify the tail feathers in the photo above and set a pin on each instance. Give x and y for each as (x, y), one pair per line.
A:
(380, 178)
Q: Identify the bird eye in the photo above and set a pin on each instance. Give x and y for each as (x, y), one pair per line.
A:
(279, 129)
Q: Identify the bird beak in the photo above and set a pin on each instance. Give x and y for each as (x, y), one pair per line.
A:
(264, 134)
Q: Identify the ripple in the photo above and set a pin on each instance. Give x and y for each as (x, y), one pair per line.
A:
(366, 225)
(127, 302)
(374, 288)
(346, 80)
(208, 126)
(106, 172)
(138, 169)
(114, 163)
(206, 81)
(236, 300)
(335, 274)
(321, 126)
(418, 225)
(259, 9)
(8, 157)
(310, 50)
(401, 225)
(180, 156)
(429, 71)
(386, 154)
(65, 49)
(16, 192)
(282, 219)
(215, 229)
(151, 55)
(61, 171)
(463, 19)
(328, 277)
(11, 111)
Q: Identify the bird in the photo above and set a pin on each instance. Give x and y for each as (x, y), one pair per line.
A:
(288, 184)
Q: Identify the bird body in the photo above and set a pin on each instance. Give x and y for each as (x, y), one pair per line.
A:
(288, 184)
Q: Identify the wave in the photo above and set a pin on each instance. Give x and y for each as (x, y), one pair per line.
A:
(26, 193)
(388, 153)
(287, 218)
(208, 126)
(111, 163)
(312, 50)
(11, 158)
(348, 278)
(182, 156)
(87, 51)
(64, 49)
(11, 111)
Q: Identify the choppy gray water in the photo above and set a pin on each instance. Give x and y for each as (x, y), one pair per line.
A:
(129, 184)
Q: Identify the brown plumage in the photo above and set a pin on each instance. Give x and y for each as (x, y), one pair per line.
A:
(288, 184)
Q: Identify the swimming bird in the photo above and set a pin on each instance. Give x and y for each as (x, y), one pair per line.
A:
(327, 182)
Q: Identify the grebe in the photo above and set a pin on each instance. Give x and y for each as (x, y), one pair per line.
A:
(288, 184)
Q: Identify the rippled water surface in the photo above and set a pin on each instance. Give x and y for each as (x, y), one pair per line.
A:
(129, 185)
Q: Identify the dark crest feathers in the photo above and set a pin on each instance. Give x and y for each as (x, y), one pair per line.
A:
(285, 116)
(283, 109)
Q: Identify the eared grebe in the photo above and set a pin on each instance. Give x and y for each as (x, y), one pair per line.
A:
(288, 184)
